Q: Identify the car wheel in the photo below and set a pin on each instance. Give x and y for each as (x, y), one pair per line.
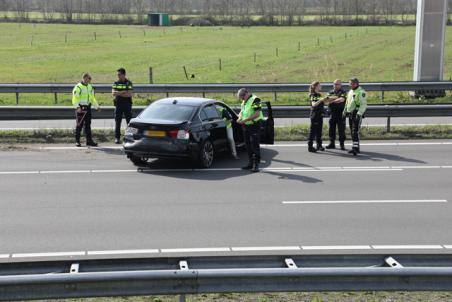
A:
(138, 161)
(206, 154)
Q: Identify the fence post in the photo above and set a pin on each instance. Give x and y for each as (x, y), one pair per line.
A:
(17, 98)
(56, 98)
(182, 298)
(151, 76)
(388, 124)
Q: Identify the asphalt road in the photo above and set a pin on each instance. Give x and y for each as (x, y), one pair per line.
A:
(63, 202)
(109, 123)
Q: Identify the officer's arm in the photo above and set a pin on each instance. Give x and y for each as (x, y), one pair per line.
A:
(339, 100)
(128, 93)
(317, 103)
(76, 97)
(363, 104)
(253, 117)
(94, 101)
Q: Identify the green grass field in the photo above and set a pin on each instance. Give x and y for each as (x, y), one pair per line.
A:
(51, 53)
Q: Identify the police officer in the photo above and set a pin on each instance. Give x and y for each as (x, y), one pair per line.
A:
(336, 108)
(250, 117)
(123, 93)
(355, 108)
(316, 115)
(83, 99)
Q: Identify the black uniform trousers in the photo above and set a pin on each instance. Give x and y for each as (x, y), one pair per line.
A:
(355, 121)
(337, 120)
(83, 120)
(122, 109)
(253, 141)
(315, 132)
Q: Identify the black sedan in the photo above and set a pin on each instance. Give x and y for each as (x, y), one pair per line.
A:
(186, 128)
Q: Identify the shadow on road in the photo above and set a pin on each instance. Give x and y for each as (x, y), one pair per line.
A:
(374, 156)
(222, 162)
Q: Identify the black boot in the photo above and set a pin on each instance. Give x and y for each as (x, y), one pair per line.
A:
(77, 144)
(91, 143)
(332, 145)
(255, 167)
(342, 146)
(311, 148)
(320, 148)
(249, 166)
(353, 151)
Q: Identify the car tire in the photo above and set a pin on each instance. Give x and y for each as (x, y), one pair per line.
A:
(206, 155)
(138, 161)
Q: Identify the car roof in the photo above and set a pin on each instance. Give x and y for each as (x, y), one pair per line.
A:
(187, 101)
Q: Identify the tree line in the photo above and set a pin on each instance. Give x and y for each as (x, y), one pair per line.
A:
(217, 12)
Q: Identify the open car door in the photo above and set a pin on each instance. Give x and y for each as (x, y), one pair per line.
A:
(268, 127)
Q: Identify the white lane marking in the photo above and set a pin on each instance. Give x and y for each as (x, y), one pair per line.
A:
(276, 169)
(18, 172)
(265, 248)
(364, 201)
(82, 148)
(263, 145)
(337, 247)
(345, 170)
(367, 144)
(416, 167)
(39, 255)
(228, 250)
(114, 171)
(407, 247)
(123, 252)
(196, 250)
(65, 172)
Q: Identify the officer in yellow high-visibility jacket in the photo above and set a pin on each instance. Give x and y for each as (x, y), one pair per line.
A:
(251, 117)
(83, 99)
(355, 108)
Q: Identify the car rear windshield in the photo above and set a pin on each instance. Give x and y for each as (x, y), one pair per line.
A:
(170, 112)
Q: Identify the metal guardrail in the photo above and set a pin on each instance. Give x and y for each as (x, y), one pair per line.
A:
(222, 88)
(196, 275)
(67, 112)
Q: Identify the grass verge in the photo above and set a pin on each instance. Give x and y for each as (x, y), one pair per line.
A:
(292, 133)
(301, 132)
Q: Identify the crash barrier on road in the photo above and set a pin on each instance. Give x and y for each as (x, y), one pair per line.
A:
(197, 275)
(418, 87)
(66, 112)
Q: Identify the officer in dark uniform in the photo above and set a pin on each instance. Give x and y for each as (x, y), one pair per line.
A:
(336, 108)
(123, 93)
(317, 114)
(251, 117)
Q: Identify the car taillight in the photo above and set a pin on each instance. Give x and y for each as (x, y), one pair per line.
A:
(179, 134)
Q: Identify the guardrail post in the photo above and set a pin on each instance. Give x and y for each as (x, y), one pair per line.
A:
(204, 95)
(182, 298)
(382, 96)
(56, 98)
(17, 98)
(275, 97)
(388, 124)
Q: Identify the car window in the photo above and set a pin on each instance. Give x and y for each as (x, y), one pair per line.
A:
(172, 112)
(209, 113)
